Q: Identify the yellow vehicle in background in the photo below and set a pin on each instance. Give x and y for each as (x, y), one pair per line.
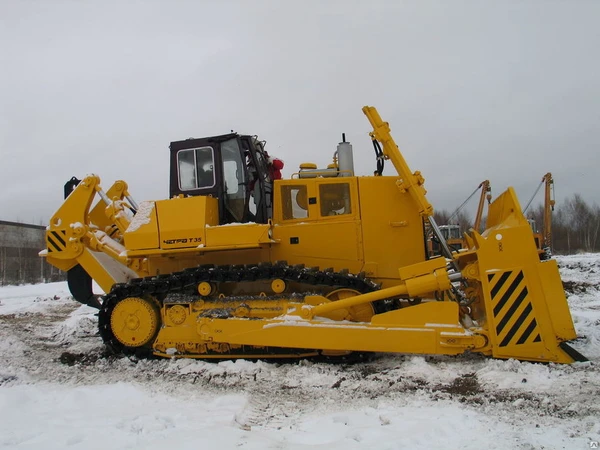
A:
(239, 265)
(543, 240)
(452, 232)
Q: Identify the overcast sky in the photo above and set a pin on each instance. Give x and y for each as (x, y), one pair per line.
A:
(473, 90)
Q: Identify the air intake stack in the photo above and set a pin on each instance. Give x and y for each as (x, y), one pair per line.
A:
(345, 158)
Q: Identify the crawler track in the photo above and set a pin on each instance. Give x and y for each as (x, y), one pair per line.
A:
(181, 287)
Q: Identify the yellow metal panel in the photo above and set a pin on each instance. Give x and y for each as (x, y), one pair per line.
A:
(62, 264)
(422, 268)
(158, 264)
(558, 307)
(429, 314)
(326, 244)
(237, 235)
(505, 209)
(519, 323)
(392, 227)
(181, 221)
(142, 233)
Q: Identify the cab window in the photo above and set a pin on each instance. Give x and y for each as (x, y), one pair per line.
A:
(335, 199)
(294, 202)
(196, 168)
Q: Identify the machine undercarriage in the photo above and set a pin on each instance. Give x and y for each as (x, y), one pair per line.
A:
(243, 292)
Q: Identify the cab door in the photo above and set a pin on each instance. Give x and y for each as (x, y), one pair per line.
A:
(317, 223)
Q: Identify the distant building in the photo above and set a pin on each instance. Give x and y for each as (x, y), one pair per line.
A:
(20, 263)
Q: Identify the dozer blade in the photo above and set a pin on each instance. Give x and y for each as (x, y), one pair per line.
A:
(522, 305)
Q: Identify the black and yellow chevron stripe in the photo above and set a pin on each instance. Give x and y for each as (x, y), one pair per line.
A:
(513, 313)
(56, 241)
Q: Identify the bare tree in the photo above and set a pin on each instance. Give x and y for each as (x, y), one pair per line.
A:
(575, 226)
(462, 219)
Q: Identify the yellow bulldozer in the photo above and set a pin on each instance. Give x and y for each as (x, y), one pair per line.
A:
(236, 264)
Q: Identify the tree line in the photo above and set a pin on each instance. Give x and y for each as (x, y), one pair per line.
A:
(575, 224)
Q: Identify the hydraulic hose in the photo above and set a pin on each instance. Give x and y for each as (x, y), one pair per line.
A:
(379, 157)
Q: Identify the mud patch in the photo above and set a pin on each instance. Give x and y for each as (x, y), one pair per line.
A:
(578, 287)
(464, 385)
(83, 359)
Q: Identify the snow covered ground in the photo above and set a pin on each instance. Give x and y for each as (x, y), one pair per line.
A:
(58, 389)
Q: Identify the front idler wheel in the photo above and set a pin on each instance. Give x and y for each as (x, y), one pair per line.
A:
(135, 321)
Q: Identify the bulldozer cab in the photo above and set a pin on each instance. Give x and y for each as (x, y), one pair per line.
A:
(532, 224)
(451, 234)
(450, 231)
(232, 168)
